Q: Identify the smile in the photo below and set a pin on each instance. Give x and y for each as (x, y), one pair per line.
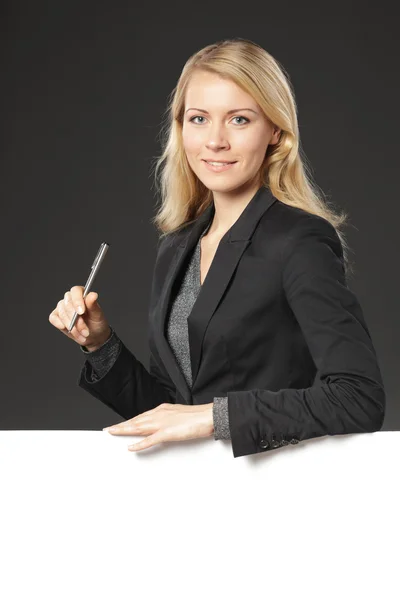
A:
(216, 166)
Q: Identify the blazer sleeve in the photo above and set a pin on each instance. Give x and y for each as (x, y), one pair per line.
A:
(104, 357)
(347, 395)
(127, 387)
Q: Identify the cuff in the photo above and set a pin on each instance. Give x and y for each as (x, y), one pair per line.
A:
(221, 418)
(104, 357)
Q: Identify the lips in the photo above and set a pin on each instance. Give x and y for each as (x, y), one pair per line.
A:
(221, 168)
(228, 162)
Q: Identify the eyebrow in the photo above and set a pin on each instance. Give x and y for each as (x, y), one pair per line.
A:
(230, 112)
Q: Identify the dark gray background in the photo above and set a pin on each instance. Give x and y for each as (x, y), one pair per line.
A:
(84, 88)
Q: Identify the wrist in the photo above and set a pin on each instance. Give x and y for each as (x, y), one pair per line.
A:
(94, 347)
(210, 417)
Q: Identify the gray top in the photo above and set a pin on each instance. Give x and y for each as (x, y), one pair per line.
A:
(104, 357)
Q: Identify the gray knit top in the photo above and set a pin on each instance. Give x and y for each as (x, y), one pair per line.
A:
(104, 357)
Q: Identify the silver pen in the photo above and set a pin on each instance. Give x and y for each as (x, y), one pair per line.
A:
(93, 272)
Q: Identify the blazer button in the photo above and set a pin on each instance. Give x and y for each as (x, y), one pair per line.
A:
(275, 444)
(294, 441)
(264, 444)
(284, 443)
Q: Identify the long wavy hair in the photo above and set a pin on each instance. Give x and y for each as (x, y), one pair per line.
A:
(285, 170)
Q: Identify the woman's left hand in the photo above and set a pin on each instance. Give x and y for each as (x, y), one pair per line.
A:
(167, 423)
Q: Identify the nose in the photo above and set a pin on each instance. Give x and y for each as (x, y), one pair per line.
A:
(217, 138)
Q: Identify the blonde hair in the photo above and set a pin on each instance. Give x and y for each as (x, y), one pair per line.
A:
(285, 170)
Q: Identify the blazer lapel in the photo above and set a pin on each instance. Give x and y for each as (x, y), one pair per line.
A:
(228, 254)
(179, 251)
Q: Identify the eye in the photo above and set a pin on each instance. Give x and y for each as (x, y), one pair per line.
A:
(245, 118)
(200, 117)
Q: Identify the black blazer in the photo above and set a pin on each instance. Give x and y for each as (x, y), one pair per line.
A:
(275, 328)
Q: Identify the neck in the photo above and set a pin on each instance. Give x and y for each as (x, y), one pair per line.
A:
(229, 206)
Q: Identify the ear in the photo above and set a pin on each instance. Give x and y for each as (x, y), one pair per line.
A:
(276, 132)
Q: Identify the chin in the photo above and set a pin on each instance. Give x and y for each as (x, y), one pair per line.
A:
(225, 185)
(221, 186)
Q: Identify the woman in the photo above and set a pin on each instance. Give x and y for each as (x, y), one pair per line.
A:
(254, 334)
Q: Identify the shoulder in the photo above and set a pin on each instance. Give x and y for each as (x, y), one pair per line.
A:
(291, 227)
(309, 248)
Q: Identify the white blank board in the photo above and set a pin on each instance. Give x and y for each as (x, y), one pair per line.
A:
(83, 517)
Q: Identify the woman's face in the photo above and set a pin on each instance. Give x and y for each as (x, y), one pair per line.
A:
(217, 127)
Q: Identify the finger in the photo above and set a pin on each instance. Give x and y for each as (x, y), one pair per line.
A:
(70, 309)
(134, 421)
(66, 318)
(89, 303)
(154, 410)
(70, 306)
(136, 425)
(122, 429)
(133, 425)
(58, 323)
(77, 299)
(147, 442)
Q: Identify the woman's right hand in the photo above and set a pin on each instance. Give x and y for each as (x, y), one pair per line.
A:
(92, 319)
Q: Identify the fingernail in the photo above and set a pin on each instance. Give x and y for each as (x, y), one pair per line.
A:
(111, 429)
(85, 332)
(80, 310)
